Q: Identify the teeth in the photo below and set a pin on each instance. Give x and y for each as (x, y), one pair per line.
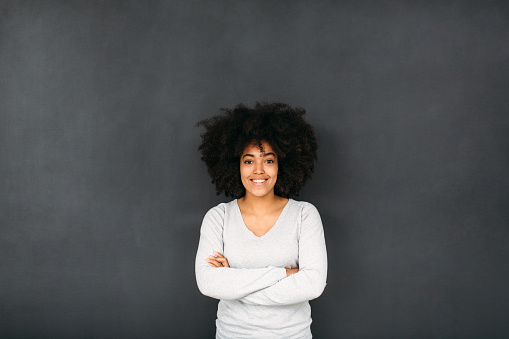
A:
(258, 181)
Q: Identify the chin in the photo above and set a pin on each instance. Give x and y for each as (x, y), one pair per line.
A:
(262, 194)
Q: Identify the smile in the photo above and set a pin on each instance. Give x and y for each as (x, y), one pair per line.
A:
(258, 182)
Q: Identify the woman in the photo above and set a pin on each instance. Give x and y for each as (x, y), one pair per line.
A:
(263, 255)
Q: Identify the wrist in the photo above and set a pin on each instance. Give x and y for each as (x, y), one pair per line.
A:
(290, 271)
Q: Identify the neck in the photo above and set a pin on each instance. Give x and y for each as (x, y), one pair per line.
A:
(259, 204)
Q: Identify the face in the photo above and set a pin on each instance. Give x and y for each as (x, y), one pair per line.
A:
(258, 170)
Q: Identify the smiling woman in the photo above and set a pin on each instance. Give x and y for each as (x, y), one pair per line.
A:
(263, 255)
(258, 169)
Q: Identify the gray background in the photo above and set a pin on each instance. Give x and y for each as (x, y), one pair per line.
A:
(103, 193)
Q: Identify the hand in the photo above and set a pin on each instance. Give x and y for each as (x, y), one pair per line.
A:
(217, 260)
(290, 271)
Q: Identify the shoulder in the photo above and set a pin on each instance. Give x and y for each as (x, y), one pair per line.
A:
(309, 219)
(306, 209)
(217, 213)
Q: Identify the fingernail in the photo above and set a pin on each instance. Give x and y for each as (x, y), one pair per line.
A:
(207, 258)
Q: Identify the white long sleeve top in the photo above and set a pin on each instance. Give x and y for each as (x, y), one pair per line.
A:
(257, 299)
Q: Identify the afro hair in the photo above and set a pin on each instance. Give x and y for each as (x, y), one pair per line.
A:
(283, 127)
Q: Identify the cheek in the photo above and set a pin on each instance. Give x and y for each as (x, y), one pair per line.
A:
(243, 173)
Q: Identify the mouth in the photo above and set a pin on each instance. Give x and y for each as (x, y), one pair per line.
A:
(258, 182)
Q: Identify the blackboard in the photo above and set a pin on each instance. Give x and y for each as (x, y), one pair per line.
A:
(102, 191)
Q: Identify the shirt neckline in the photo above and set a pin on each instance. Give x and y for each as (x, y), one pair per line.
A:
(244, 226)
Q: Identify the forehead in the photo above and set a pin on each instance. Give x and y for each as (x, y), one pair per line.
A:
(254, 149)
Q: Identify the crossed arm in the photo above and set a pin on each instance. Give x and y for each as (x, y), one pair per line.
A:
(262, 286)
(218, 260)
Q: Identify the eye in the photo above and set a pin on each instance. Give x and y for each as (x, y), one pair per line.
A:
(248, 162)
(270, 161)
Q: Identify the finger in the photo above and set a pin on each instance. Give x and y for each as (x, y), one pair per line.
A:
(213, 261)
(223, 261)
(218, 256)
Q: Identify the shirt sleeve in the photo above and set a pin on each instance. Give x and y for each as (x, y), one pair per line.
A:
(225, 282)
(309, 282)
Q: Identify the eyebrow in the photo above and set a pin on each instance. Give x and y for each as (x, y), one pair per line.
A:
(265, 155)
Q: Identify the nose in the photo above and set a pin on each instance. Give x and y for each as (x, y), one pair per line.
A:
(258, 169)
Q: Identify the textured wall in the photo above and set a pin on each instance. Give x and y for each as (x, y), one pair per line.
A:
(102, 191)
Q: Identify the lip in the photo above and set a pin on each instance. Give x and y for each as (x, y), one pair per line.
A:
(258, 182)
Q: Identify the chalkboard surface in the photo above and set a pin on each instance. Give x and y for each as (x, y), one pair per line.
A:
(102, 191)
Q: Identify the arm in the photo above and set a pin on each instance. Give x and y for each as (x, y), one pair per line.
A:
(225, 282)
(308, 283)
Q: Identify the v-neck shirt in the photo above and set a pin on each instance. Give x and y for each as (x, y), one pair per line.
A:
(244, 249)
(257, 300)
(274, 225)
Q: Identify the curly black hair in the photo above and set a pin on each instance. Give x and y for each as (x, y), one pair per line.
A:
(283, 127)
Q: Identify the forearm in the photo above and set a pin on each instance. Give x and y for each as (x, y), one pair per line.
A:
(234, 283)
(305, 285)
